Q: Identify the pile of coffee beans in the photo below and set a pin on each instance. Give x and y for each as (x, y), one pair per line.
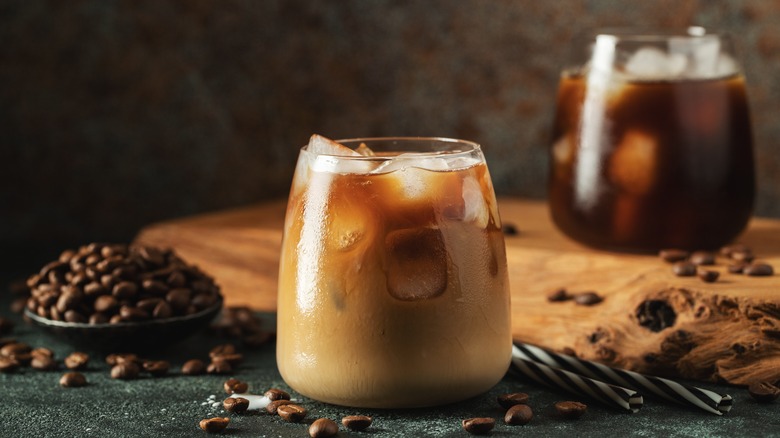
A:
(115, 283)
(740, 259)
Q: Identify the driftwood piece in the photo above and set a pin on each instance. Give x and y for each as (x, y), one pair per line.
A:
(650, 320)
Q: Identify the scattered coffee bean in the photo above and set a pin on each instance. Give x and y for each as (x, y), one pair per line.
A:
(114, 359)
(587, 298)
(221, 350)
(6, 326)
(73, 380)
(702, 258)
(478, 426)
(219, 367)
(274, 394)
(215, 424)
(515, 398)
(292, 413)
(743, 256)
(236, 405)
(764, 392)
(157, 368)
(673, 255)
(193, 367)
(125, 371)
(737, 267)
(758, 270)
(233, 359)
(571, 409)
(684, 269)
(518, 415)
(509, 229)
(558, 295)
(323, 428)
(235, 386)
(43, 363)
(14, 348)
(356, 423)
(728, 250)
(274, 405)
(708, 276)
(8, 364)
(77, 361)
(42, 351)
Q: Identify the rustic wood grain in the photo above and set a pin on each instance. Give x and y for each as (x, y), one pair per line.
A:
(728, 330)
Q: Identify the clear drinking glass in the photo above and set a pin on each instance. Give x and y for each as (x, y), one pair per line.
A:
(652, 145)
(393, 288)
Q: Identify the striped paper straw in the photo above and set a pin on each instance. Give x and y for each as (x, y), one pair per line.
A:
(613, 395)
(665, 388)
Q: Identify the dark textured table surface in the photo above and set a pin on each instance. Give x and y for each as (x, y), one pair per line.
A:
(32, 403)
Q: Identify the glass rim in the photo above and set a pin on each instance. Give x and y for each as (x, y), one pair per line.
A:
(472, 147)
(657, 34)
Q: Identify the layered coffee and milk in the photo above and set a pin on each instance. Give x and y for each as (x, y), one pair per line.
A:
(393, 287)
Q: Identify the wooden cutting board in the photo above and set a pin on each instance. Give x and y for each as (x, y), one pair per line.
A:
(723, 331)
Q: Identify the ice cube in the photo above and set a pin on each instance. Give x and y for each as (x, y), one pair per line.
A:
(475, 205)
(349, 223)
(416, 264)
(330, 156)
(364, 150)
(633, 165)
(324, 146)
(654, 63)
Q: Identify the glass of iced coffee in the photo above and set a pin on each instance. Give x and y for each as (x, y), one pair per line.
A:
(652, 144)
(393, 287)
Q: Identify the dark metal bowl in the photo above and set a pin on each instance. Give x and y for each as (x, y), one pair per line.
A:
(148, 335)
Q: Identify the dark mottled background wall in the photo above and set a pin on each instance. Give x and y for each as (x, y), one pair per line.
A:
(114, 114)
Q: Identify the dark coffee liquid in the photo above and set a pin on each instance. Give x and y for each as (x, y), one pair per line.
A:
(640, 166)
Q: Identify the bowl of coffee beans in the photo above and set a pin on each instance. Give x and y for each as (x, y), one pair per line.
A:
(107, 296)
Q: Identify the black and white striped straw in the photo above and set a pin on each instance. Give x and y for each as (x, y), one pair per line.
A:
(668, 389)
(613, 395)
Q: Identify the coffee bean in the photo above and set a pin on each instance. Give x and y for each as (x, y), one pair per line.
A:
(129, 313)
(673, 255)
(222, 349)
(73, 380)
(155, 287)
(702, 258)
(708, 276)
(292, 413)
(6, 326)
(69, 300)
(272, 407)
(518, 415)
(587, 298)
(235, 386)
(43, 363)
(214, 425)
(77, 361)
(117, 358)
(758, 270)
(236, 405)
(727, 250)
(8, 364)
(98, 318)
(14, 348)
(219, 367)
(179, 299)
(148, 304)
(571, 409)
(74, 317)
(157, 368)
(736, 268)
(509, 229)
(515, 398)
(124, 290)
(478, 426)
(764, 392)
(684, 269)
(274, 394)
(105, 304)
(176, 280)
(233, 359)
(116, 319)
(193, 367)
(558, 295)
(743, 256)
(323, 428)
(125, 371)
(162, 310)
(356, 423)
